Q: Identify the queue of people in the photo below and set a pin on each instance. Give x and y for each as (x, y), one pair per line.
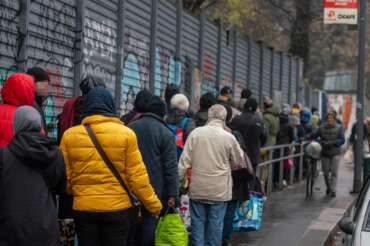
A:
(115, 176)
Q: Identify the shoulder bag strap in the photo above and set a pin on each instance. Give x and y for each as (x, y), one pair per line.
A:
(109, 164)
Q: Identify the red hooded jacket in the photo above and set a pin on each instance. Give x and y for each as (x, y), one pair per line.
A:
(18, 90)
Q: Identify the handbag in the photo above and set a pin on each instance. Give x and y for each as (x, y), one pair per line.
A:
(133, 199)
(171, 230)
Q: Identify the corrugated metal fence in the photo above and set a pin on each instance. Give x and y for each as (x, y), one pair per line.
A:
(134, 44)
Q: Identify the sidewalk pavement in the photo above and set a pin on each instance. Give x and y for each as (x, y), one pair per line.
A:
(292, 220)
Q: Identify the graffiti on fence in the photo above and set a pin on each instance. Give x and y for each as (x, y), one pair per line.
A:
(10, 38)
(100, 40)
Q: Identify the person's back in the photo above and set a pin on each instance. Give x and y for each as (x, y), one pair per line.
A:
(32, 172)
(98, 195)
(158, 148)
(250, 125)
(286, 131)
(210, 152)
(271, 121)
(18, 90)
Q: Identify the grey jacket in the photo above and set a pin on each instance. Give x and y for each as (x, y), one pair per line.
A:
(211, 152)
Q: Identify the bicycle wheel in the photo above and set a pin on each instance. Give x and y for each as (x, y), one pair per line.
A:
(308, 179)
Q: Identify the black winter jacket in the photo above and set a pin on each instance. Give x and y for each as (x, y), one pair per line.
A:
(286, 131)
(158, 149)
(32, 172)
(251, 127)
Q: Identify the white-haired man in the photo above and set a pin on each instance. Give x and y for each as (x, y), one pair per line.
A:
(211, 152)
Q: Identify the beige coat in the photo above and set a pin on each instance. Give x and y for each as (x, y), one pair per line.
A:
(211, 153)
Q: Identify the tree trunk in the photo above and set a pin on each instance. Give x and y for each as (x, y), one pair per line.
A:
(300, 35)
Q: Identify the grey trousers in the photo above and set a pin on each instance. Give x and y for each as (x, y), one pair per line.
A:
(330, 170)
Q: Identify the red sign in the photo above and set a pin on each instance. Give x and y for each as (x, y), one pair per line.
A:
(341, 12)
(346, 4)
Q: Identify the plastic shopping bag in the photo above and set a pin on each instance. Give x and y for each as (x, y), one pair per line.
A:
(248, 216)
(348, 156)
(171, 231)
(184, 211)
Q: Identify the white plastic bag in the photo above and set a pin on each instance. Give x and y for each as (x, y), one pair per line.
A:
(348, 156)
(184, 210)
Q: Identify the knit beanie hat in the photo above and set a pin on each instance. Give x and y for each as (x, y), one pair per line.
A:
(141, 101)
(156, 106)
(251, 105)
(180, 101)
(38, 74)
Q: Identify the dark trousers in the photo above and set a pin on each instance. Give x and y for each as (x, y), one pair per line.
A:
(143, 232)
(102, 229)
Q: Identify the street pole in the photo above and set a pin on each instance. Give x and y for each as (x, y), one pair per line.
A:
(360, 99)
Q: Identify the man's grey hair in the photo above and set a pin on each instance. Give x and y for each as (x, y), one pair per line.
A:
(217, 112)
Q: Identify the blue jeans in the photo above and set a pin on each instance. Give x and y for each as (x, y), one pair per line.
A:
(207, 223)
(228, 221)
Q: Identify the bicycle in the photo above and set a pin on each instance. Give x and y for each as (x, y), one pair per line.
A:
(311, 175)
(312, 155)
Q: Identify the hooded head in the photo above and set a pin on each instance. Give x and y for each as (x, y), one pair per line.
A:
(90, 82)
(306, 117)
(207, 101)
(28, 144)
(99, 101)
(141, 101)
(251, 105)
(156, 106)
(217, 112)
(26, 119)
(19, 90)
(170, 91)
(42, 81)
(181, 102)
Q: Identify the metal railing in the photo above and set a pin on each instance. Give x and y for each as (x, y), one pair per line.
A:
(271, 162)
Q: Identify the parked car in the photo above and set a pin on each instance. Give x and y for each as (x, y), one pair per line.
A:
(357, 225)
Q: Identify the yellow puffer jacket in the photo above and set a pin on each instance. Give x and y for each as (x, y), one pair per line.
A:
(91, 183)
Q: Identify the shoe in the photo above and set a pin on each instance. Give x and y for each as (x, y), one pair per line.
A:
(328, 191)
(333, 194)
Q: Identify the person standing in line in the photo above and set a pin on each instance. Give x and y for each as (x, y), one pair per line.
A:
(42, 84)
(245, 94)
(225, 95)
(250, 125)
(140, 104)
(211, 152)
(170, 91)
(205, 102)
(100, 203)
(271, 121)
(179, 116)
(331, 137)
(32, 172)
(158, 148)
(72, 115)
(73, 109)
(18, 90)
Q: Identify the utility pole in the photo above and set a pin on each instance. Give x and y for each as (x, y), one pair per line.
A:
(359, 155)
